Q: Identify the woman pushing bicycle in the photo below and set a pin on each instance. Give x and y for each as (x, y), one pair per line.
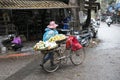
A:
(52, 57)
(50, 31)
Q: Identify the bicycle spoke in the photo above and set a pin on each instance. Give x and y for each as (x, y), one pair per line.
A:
(52, 64)
(77, 57)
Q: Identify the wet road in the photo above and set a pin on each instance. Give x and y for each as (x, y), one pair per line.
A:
(102, 62)
(109, 36)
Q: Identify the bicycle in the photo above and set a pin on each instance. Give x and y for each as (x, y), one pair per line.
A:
(52, 59)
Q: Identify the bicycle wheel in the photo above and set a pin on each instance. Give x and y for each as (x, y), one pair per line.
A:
(77, 57)
(53, 63)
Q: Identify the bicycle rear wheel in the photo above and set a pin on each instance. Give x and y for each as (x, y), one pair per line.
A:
(77, 57)
(52, 64)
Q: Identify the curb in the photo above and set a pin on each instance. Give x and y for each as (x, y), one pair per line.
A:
(16, 55)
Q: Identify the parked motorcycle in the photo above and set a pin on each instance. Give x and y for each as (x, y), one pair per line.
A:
(94, 27)
(7, 42)
(84, 37)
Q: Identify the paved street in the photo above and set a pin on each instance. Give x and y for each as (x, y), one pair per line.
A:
(102, 62)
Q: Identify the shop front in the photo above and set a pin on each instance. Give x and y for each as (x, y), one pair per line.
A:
(30, 17)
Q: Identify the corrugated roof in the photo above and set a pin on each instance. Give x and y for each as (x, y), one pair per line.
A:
(32, 4)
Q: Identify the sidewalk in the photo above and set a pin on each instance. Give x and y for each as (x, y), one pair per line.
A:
(27, 50)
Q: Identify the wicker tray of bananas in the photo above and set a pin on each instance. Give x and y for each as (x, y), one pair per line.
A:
(58, 37)
(41, 45)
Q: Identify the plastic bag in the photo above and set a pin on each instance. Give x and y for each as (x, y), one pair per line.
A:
(73, 43)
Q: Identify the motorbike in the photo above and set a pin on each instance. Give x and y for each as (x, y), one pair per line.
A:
(84, 37)
(6, 42)
(109, 21)
(94, 27)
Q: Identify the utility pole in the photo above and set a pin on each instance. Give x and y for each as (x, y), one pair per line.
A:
(90, 5)
(75, 21)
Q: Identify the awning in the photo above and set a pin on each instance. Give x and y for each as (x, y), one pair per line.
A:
(32, 4)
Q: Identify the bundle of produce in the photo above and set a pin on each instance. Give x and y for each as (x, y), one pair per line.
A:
(41, 45)
(51, 45)
(57, 37)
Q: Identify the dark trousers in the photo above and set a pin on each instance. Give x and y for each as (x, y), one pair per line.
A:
(15, 47)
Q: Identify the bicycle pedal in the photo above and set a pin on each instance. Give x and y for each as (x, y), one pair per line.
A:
(62, 57)
(41, 65)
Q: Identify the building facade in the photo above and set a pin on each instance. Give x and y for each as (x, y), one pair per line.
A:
(30, 17)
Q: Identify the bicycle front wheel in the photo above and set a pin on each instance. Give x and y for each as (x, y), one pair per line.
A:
(53, 63)
(77, 57)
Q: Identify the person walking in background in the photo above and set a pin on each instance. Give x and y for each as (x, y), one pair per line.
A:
(66, 22)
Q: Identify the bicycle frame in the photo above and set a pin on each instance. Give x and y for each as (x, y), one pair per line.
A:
(61, 57)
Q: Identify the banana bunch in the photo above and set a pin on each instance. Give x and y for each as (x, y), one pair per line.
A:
(57, 37)
(51, 45)
(41, 45)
